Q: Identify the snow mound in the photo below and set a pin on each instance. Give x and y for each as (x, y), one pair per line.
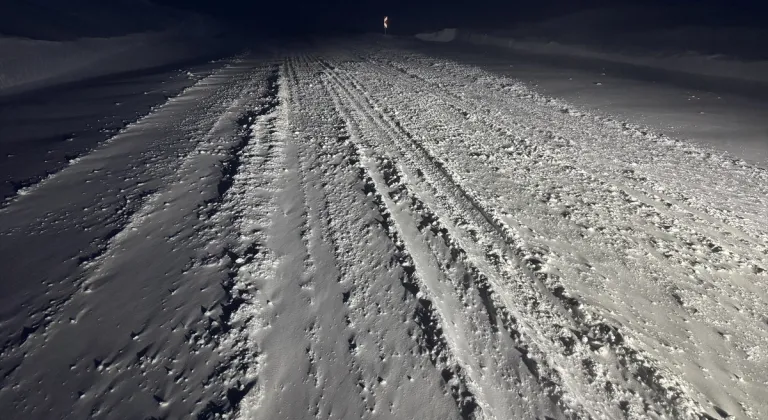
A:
(638, 29)
(445, 35)
(30, 63)
(688, 62)
(675, 38)
(711, 64)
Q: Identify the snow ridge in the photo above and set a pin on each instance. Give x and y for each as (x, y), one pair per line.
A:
(245, 171)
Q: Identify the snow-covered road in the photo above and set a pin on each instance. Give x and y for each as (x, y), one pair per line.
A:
(352, 230)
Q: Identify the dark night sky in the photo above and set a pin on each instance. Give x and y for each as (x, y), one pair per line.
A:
(408, 16)
(48, 19)
(365, 15)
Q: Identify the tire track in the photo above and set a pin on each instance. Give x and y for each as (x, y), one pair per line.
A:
(656, 207)
(598, 332)
(425, 167)
(448, 257)
(434, 343)
(338, 325)
(562, 134)
(302, 348)
(371, 297)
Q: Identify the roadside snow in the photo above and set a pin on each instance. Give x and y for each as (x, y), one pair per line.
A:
(681, 61)
(725, 115)
(28, 63)
(116, 275)
(710, 65)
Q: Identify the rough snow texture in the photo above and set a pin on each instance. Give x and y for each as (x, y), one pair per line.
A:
(130, 312)
(362, 232)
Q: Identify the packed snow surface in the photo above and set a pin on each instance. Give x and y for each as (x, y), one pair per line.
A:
(352, 230)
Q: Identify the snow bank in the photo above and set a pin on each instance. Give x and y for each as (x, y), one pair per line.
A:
(56, 20)
(689, 62)
(446, 35)
(27, 63)
(635, 35)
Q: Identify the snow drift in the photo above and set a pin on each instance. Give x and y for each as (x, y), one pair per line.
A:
(98, 43)
(633, 35)
(27, 63)
(689, 62)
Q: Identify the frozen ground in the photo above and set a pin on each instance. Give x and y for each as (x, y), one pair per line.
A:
(368, 229)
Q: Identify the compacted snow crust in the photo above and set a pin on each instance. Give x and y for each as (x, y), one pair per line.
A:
(352, 230)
